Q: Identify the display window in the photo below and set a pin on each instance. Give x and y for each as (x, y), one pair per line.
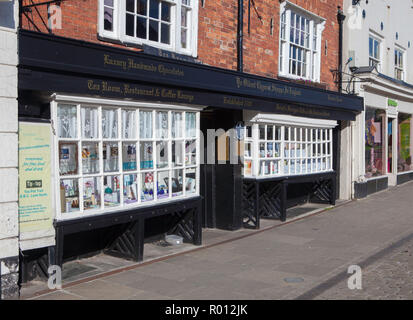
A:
(404, 143)
(111, 157)
(284, 150)
(375, 142)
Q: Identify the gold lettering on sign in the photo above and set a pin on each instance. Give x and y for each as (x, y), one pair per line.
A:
(296, 110)
(238, 102)
(131, 64)
(267, 87)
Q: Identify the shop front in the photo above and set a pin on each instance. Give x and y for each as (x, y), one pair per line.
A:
(387, 144)
(128, 149)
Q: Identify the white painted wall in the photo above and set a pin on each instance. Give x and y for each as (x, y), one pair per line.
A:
(8, 131)
(397, 17)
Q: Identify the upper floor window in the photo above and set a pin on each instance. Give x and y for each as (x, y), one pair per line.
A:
(165, 24)
(398, 64)
(374, 52)
(300, 43)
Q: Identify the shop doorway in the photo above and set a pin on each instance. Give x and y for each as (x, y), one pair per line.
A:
(391, 150)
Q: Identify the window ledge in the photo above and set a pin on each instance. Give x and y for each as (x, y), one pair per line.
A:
(298, 80)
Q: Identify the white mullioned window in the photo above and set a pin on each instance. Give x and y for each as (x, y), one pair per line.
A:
(375, 52)
(399, 64)
(166, 24)
(110, 157)
(300, 43)
(278, 149)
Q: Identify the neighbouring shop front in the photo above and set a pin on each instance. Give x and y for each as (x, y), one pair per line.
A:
(386, 141)
(128, 152)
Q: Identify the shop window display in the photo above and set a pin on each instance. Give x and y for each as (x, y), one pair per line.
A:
(375, 139)
(116, 157)
(287, 150)
(404, 162)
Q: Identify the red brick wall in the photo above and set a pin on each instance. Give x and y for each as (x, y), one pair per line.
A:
(217, 32)
(217, 43)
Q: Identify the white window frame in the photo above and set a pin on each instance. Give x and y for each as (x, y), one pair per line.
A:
(315, 138)
(100, 104)
(378, 61)
(119, 32)
(397, 67)
(317, 23)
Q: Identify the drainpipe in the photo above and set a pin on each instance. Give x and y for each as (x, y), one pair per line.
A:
(340, 17)
(240, 35)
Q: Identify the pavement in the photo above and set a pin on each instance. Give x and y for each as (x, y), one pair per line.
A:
(306, 258)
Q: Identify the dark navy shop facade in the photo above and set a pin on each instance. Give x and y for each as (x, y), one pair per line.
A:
(126, 146)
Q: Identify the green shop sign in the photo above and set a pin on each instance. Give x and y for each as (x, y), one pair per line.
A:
(392, 103)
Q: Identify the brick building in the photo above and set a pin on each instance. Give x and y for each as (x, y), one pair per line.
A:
(129, 90)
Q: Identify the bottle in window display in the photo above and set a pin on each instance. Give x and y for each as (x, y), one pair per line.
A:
(147, 190)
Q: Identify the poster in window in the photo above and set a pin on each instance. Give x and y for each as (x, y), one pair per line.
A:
(35, 200)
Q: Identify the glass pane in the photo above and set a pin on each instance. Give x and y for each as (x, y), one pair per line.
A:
(270, 150)
(91, 193)
(177, 125)
(129, 156)
(69, 195)
(248, 150)
(153, 30)
(110, 123)
(146, 155)
(262, 132)
(108, 19)
(141, 9)
(90, 123)
(190, 180)
(277, 133)
(404, 143)
(130, 5)
(112, 191)
(68, 158)
(165, 33)
(191, 124)
(190, 152)
(177, 182)
(270, 132)
(130, 188)
(375, 136)
(141, 27)
(110, 156)
(109, 3)
(184, 37)
(163, 184)
(154, 9)
(262, 150)
(147, 186)
(67, 121)
(162, 124)
(90, 157)
(166, 11)
(161, 154)
(128, 124)
(145, 124)
(184, 17)
(177, 153)
(130, 25)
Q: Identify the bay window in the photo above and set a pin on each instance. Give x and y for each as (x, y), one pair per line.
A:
(283, 149)
(165, 24)
(300, 43)
(111, 157)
